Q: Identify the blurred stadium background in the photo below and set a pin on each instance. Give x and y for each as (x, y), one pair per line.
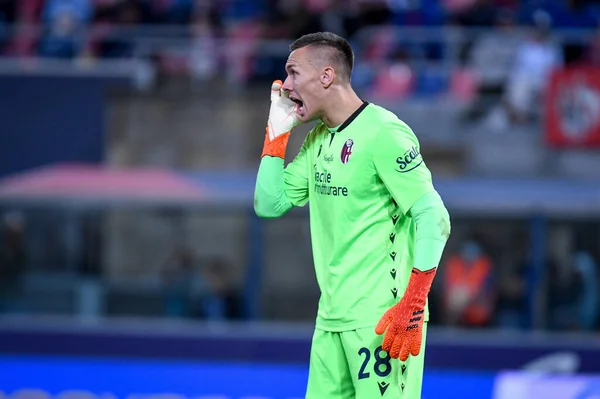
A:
(132, 265)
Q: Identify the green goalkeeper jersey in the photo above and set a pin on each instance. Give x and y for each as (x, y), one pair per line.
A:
(360, 181)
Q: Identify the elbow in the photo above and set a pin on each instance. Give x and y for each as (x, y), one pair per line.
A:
(432, 212)
(446, 224)
(266, 213)
(443, 216)
(265, 210)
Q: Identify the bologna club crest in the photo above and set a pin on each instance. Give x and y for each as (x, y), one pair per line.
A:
(573, 108)
(347, 150)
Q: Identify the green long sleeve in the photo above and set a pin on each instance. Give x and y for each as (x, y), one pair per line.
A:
(433, 229)
(278, 189)
(270, 199)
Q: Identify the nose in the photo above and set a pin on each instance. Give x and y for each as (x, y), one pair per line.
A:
(287, 84)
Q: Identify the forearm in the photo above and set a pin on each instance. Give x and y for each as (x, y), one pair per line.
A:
(433, 229)
(270, 199)
(404, 321)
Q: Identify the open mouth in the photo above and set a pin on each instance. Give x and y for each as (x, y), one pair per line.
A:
(299, 105)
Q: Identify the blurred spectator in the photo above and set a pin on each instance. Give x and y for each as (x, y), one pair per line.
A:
(333, 15)
(394, 80)
(588, 298)
(181, 279)
(490, 59)
(12, 260)
(64, 24)
(463, 85)
(366, 14)
(113, 41)
(199, 288)
(512, 307)
(374, 59)
(290, 19)
(79, 10)
(468, 291)
(240, 56)
(221, 299)
(560, 298)
(235, 12)
(417, 13)
(205, 57)
(535, 60)
(573, 294)
(564, 13)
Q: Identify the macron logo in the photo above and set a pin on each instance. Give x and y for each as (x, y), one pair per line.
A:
(383, 386)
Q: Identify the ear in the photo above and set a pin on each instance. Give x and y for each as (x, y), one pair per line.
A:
(327, 77)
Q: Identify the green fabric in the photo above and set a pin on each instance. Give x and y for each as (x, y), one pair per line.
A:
(362, 234)
(432, 230)
(270, 199)
(351, 364)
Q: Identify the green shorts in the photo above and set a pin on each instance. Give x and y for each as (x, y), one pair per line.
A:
(352, 365)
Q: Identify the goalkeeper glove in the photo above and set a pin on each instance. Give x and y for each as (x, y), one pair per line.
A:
(404, 321)
(283, 117)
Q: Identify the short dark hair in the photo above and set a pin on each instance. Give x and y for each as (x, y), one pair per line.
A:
(342, 53)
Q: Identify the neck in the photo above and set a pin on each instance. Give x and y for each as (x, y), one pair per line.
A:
(342, 103)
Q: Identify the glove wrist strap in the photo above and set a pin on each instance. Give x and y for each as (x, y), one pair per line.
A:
(419, 285)
(275, 147)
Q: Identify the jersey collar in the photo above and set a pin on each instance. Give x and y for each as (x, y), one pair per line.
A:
(352, 117)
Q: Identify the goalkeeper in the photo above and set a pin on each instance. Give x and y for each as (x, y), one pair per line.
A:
(378, 226)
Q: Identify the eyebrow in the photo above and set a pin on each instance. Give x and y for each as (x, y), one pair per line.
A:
(290, 66)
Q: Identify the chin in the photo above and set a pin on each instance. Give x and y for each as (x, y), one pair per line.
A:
(309, 118)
